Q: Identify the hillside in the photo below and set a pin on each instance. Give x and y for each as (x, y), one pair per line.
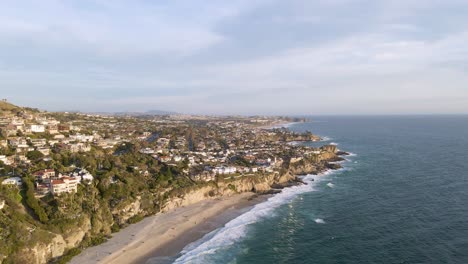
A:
(6, 106)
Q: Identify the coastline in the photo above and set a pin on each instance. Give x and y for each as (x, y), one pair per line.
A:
(166, 234)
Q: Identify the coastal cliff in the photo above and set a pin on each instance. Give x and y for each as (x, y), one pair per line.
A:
(93, 228)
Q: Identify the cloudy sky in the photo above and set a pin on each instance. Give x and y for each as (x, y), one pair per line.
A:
(236, 56)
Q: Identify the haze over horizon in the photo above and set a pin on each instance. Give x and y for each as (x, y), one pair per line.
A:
(236, 57)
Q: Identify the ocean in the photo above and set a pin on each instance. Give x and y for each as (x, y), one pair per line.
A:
(402, 197)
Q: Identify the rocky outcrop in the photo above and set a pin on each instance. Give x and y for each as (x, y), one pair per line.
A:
(256, 184)
(56, 246)
(74, 237)
(121, 215)
(191, 197)
(43, 252)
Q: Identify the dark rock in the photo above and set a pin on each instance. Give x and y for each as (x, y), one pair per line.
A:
(334, 166)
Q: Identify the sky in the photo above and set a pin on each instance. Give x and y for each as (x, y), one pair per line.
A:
(268, 57)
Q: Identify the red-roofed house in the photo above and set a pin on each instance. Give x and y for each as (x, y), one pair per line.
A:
(65, 184)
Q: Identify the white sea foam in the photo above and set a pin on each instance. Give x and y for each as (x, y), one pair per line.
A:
(334, 143)
(319, 221)
(331, 185)
(326, 138)
(237, 228)
(352, 154)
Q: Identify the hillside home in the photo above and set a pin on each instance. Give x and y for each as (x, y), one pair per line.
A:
(64, 184)
(13, 181)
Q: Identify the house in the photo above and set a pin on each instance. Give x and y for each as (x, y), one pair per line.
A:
(82, 175)
(18, 142)
(37, 128)
(41, 119)
(3, 159)
(44, 175)
(64, 184)
(7, 160)
(13, 181)
(44, 150)
(107, 143)
(42, 189)
(78, 147)
(10, 130)
(59, 136)
(52, 129)
(64, 128)
(224, 170)
(82, 138)
(38, 142)
(204, 176)
(147, 151)
(17, 122)
(164, 158)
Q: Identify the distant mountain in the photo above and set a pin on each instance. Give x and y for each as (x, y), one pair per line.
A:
(160, 112)
(150, 112)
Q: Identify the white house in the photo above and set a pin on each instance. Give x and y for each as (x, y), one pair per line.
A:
(37, 128)
(82, 138)
(83, 175)
(44, 174)
(13, 181)
(224, 170)
(65, 184)
(3, 159)
(147, 151)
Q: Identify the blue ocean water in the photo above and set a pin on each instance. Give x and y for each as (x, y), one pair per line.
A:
(402, 198)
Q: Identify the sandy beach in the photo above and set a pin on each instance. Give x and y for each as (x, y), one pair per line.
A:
(166, 234)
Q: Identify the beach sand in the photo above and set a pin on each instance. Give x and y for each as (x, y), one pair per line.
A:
(166, 234)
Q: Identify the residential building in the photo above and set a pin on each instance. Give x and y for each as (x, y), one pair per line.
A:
(64, 184)
(44, 175)
(13, 181)
(37, 128)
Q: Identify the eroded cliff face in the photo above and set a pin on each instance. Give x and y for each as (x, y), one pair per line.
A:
(57, 245)
(42, 253)
(101, 222)
(191, 197)
(258, 184)
(121, 215)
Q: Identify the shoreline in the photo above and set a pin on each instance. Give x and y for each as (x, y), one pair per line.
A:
(166, 234)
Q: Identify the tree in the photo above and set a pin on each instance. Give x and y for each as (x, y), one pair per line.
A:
(34, 155)
(33, 203)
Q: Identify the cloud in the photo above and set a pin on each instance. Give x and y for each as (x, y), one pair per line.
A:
(266, 56)
(111, 28)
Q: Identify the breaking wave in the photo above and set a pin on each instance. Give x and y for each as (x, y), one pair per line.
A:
(319, 221)
(236, 229)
